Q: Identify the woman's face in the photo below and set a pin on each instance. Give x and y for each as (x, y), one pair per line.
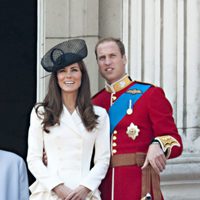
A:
(69, 78)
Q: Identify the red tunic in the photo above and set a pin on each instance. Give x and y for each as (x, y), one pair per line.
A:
(152, 114)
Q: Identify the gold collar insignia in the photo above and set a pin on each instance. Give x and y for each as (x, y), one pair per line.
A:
(118, 85)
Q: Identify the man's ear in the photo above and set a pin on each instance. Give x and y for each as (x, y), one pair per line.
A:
(124, 59)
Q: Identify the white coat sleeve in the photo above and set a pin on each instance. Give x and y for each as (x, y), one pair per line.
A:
(102, 154)
(35, 153)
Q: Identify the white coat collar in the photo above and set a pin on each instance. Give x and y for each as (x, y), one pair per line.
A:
(73, 121)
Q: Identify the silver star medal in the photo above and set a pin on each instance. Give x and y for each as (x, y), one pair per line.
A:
(132, 131)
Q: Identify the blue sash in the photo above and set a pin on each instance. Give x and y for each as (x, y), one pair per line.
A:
(119, 108)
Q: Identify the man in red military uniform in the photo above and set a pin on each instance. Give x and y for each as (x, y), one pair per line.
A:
(143, 132)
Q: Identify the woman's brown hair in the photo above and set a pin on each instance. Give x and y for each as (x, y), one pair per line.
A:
(53, 105)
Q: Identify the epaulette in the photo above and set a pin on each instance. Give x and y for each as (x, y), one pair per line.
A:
(98, 93)
(145, 83)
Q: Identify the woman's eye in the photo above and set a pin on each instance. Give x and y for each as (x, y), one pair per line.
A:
(60, 71)
(74, 70)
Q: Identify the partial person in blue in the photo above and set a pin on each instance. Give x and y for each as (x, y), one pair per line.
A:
(14, 178)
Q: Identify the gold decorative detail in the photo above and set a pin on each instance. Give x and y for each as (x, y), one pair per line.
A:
(114, 137)
(134, 91)
(132, 131)
(114, 151)
(114, 144)
(115, 132)
(167, 142)
(122, 84)
(114, 98)
(118, 85)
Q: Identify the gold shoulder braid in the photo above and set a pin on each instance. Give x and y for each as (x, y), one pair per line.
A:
(147, 83)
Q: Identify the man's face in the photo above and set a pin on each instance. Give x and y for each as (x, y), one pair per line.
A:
(111, 62)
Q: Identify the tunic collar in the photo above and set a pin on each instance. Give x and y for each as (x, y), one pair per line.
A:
(118, 85)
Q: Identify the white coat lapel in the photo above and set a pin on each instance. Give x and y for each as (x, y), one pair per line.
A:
(68, 119)
(78, 122)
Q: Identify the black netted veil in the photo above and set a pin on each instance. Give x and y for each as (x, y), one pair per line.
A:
(64, 54)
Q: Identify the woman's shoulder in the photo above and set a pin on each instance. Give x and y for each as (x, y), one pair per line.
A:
(39, 107)
(99, 110)
(38, 110)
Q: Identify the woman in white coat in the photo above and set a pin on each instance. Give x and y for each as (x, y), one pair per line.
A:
(69, 128)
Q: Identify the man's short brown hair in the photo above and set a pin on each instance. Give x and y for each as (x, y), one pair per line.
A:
(111, 39)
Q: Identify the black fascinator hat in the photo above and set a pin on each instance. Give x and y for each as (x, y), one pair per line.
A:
(64, 54)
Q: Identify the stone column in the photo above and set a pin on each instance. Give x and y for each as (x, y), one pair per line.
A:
(162, 38)
(62, 20)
